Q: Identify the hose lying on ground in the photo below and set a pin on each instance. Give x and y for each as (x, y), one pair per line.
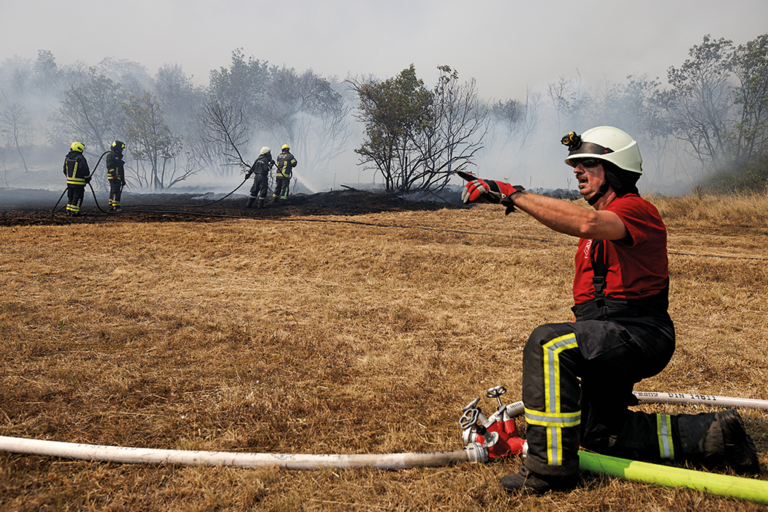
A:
(668, 476)
(721, 485)
(655, 397)
(687, 398)
(89, 184)
(243, 460)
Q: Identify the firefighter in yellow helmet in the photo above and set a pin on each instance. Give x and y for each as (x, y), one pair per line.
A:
(285, 164)
(78, 176)
(115, 175)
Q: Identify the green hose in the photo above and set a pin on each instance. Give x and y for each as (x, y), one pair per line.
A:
(747, 489)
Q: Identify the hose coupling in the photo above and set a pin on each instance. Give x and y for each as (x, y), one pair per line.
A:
(476, 453)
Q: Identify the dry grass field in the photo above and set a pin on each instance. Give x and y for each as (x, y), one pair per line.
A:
(331, 330)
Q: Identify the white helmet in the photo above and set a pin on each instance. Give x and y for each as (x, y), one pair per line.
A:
(264, 151)
(605, 143)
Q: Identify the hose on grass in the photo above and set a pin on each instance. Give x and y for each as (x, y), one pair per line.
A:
(687, 398)
(721, 485)
(748, 489)
(244, 460)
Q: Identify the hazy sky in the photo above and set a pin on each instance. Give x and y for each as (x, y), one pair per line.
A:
(506, 45)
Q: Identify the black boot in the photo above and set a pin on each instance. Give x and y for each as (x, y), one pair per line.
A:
(250, 202)
(718, 439)
(525, 479)
(261, 203)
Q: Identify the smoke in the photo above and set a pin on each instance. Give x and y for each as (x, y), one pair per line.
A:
(527, 152)
(304, 181)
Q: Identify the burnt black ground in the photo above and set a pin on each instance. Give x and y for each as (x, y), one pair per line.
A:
(20, 207)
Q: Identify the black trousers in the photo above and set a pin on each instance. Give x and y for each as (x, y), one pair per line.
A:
(577, 386)
(75, 194)
(281, 188)
(259, 188)
(115, 192)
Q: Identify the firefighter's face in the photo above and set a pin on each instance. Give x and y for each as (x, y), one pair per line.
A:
(590, 175)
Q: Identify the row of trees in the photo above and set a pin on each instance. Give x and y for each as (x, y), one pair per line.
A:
(714, 107)
(251, 97)
(169, 125)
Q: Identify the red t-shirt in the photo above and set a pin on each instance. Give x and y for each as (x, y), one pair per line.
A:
(636, 265)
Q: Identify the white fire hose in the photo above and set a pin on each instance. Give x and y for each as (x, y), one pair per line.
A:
(686, 398)
(474, 453)
(722, 485)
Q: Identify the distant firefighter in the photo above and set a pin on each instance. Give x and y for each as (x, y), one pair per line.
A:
(115, 175)
(285, 164)
(260, 170)
(78, 176)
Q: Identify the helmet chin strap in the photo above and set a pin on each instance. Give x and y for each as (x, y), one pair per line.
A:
(600, 193)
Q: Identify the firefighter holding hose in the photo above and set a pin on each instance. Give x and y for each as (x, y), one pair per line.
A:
(78, 176)
(578, 377)
(285, 164)
(116, 175)
(260, 169)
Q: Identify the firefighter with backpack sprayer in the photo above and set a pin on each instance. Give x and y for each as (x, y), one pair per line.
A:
(578, 376)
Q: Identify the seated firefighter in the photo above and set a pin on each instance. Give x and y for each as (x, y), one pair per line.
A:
(578, 377)
(260, 170)
(78, 176)
(285, 164)
(116, 175)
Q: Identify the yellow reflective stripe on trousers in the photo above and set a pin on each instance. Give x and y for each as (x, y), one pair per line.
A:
(552, 417)
(664, 431)
(560, 420)
(552, 351)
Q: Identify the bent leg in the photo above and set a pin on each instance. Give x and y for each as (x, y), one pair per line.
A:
(551, 396)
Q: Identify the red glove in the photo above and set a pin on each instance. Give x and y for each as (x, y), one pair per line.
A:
(488, 191)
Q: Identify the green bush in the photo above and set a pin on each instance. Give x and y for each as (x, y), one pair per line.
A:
(751, 177)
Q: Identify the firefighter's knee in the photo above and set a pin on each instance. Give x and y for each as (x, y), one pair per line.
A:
(541, 336)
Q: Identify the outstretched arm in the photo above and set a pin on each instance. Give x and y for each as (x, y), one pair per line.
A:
(569, 218)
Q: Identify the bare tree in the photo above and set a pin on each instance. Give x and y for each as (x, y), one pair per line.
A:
(91, 111)
(225, 132)
(450, 141)
(47, 73)
(150, 141)
(570, 101)
(15, 126)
